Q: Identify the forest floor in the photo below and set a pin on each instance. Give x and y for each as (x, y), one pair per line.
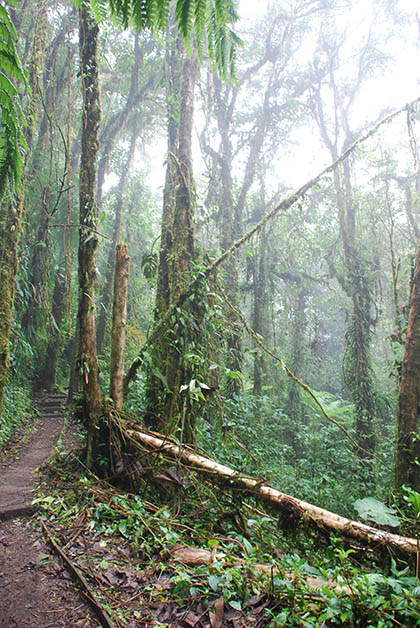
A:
(36, 589)
(176, 552)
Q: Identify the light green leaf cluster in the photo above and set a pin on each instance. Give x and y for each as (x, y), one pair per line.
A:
(12, 118)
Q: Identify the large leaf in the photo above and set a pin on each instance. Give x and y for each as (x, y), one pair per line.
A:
(373, 510)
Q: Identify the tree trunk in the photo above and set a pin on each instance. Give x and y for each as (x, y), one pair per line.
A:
(156, 387)
(34, 317)
(294, 407)
(11, 214)
(259, 307)
(178, 372)
(310, 514)
(407, 462)
(168, 370)
(119, 322)
(359, 329)
(87, 360)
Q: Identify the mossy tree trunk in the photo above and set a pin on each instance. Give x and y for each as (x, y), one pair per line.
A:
(46, 377)
(294, 406)
(358, 368)
(355, 280)
(91, 116)
(178, 407)
(169, 370)
(407, 462)
(35, 315)
(12, 213)
(259, 307)
(230, 230)
(156, 384)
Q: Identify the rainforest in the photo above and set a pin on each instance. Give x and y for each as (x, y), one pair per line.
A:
(209, 313)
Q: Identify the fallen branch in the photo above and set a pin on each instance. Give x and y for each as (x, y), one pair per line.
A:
(195, 556)
(298, 508)
(74, 571)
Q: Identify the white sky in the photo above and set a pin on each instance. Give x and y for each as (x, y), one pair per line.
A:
(392, 90)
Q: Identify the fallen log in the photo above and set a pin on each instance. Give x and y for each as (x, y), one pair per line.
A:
(301, 509)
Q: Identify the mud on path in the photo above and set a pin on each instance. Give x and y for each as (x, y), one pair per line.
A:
(35, 589)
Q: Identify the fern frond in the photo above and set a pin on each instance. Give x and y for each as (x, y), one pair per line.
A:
(184, 17)
(207, 21)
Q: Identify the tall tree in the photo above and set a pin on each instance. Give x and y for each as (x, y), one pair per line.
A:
(169, 368)
(88, 240)
(336, 133)
(407, 461)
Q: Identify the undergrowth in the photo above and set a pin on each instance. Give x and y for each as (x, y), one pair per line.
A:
(254, 572)
(17, 411)
(313, 461)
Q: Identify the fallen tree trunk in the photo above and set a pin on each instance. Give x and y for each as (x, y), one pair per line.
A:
(311, 514)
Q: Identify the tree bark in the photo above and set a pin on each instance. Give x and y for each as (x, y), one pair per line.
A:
(407, 462)
(119, 322)
(294, 407)
(359, 330)
(177, 371)
(313, 515)
(87, 359)
(156, 388)
(168, 368)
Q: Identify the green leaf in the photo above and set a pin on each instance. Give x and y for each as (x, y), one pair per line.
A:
(213, 582)
(373, 510)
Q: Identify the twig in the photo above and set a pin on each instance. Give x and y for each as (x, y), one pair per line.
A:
(74, 571)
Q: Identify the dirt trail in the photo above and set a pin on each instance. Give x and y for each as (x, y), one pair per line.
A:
(17, 478)
(35, 590)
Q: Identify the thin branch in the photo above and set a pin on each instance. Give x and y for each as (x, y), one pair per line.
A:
(82, 227)
(75, 573)
(283, 206)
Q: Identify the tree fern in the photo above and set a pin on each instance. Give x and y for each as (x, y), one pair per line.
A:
(206, 21)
